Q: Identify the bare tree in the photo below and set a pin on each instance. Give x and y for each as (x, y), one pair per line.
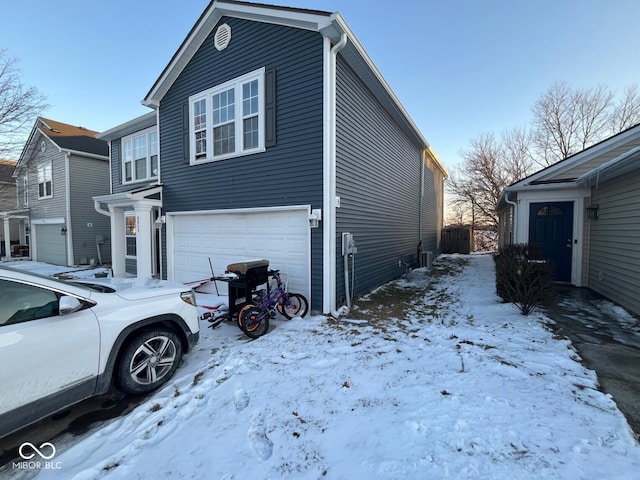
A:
(457, 213)
(480, 180)
(627, 111)
(489, 165)
(19, 106)
(566, 121)
(518, 159)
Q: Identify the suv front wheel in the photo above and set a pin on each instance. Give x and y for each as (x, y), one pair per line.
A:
(149, 360)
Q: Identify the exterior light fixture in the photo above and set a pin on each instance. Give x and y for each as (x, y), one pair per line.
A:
(592, 212)
(314, 218)
(63, 231)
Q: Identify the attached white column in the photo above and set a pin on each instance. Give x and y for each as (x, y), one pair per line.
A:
(118, 242)
(7, 238)
(144, 248)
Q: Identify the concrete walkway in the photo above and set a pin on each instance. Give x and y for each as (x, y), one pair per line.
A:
(607, 337)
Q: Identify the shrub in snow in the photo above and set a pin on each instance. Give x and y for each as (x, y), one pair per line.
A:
(522, 278)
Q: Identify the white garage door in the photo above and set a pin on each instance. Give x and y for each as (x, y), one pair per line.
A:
(50, 244)
(281, 236)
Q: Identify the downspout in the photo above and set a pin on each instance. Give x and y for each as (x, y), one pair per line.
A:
(162, 233)
(96, 205)
(331, 201)
(421, 206)
(515, 216)
(69, 235)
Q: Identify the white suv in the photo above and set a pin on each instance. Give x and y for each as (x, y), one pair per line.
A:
(64, 341)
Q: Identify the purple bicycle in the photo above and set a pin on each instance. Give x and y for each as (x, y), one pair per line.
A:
(253, 318)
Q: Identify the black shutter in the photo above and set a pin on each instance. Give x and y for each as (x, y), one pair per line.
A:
(270, 108)
(185, 134)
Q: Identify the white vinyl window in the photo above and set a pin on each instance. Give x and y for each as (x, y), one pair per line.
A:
(45, 181)
(130, 231)
(140, 156)
(228, 120)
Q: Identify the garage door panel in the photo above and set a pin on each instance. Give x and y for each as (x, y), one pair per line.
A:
(50, 245)
(281, 236)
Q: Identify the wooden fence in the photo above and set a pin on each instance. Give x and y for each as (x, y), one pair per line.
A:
(457, 240)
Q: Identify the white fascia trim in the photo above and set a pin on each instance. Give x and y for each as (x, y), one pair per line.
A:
(48, 138)
(278, 16)
(28, 145)
(545, 187)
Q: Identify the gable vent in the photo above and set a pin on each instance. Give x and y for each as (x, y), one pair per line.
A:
(223, 37)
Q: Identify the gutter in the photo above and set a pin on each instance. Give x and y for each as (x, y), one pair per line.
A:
(83, 154)
(99, 209)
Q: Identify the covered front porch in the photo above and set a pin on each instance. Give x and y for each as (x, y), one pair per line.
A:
(14, 236)
(135, 230)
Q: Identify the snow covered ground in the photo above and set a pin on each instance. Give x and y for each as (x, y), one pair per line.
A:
(429, 378)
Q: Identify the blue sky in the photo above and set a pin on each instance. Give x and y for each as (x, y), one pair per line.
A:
(461, 68)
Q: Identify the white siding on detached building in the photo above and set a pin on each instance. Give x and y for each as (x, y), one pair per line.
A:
(614, 254)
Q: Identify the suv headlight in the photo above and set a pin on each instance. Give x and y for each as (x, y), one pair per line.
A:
(189, 297)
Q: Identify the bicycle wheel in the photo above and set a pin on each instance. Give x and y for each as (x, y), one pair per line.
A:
(255, 321)
(296, 306)
(241, 311)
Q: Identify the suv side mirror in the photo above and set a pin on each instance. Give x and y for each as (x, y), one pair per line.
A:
(69, 305)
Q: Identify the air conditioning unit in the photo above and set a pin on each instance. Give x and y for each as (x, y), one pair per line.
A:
(426, 259)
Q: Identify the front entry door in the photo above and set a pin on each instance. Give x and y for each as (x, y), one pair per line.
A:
(551, 227)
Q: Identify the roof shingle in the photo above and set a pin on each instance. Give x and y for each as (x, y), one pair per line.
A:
(70, 137)
(6, 171)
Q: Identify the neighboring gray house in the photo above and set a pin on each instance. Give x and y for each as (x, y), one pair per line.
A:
(585, 213)
(612, 265)
(59, 170)
(7, 204)
(277, 135)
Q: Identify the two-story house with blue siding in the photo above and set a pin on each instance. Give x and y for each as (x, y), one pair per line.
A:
(60, 169)
(276, 135)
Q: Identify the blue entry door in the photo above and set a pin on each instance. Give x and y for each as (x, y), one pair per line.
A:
(551, 227)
